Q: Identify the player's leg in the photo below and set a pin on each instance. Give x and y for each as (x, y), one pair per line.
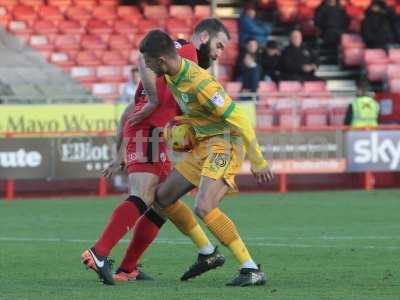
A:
(211, 193)
(142, 188)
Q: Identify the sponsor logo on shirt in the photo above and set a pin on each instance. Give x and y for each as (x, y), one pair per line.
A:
(217, 99)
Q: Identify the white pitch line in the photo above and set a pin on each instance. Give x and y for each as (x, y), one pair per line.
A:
(186, 242)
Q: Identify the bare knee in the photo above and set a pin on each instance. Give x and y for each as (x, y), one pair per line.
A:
(202, 206)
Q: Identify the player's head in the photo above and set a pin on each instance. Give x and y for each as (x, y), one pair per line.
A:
(210, 37)
(158, 49)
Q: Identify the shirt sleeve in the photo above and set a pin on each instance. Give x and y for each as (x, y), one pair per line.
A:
(213, 97)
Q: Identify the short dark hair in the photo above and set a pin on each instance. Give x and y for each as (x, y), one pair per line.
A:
(213, 26)
(157, 43)
(250, 39)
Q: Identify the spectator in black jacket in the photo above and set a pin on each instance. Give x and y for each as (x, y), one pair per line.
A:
(332, 20)
(270, 61)
(377, 28)
(297, 61)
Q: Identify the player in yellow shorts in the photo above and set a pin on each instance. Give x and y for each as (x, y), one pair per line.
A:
(223, 134)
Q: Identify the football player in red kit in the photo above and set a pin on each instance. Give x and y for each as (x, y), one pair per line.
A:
(148, 164)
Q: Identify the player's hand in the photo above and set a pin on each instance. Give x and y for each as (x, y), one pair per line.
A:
(114, 166)
(264, 175)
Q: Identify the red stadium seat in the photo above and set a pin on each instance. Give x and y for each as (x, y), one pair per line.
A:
(394, 55)
(84, 74)
(289, 120)
(337, 116)
(231, 25)
(9, 4)
(353, 56)
(87, 58)
(265, 87)
(24, 13)
(288, 12)
(315, 117)
(120, 42)
(88, 4)
(35, 4)
(264, 118)
(313, 3)
(352, 41)
(133, 57)
(147, 25)
(40, 42)
(18, 27)
(114, 58)
(78, 14)
(105, 13)
(51, 13)
(364, 4)
(178, 28)
(61, 4)
(109, 74)
(155, 12)
(375, 56)
(107, 91)
(125, 27)
(314, 87)
(393, 71)
(290, 86)
(62, 60)
(5, 17)
(108, 2)
(67, 42)
(45, 27)
(130, 13)
(92, 42)
(233, 87)
(99, 27)
(394, 85)
(202, 11)
(181, 12)
(376, 71)
(71, 27)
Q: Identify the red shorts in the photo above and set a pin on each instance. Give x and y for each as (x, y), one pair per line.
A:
(147, 153)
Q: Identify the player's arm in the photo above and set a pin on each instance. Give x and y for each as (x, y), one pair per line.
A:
(148, 79)
(117, 162)
(213, 97)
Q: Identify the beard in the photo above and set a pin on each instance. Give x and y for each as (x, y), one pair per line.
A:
(203, 55)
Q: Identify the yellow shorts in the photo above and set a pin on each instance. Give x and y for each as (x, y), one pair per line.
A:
(214, 158)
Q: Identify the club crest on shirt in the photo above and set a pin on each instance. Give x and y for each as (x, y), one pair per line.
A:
(217, 99)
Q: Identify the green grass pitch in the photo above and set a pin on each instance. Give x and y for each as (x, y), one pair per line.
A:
(320, 245)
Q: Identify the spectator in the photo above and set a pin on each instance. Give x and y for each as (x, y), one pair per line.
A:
(332, 20)
(270, 61)
(248, 66)
(130, 87)
(297, 61)
(363, 111)
(377, 28)
(251, 27)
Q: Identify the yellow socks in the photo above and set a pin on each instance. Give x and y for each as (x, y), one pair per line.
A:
(225, 231)
(182, 216)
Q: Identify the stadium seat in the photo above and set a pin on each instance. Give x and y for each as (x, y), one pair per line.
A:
(87, 58)
(233, 87)
(71, 27)
(393, 71)
(120, 42)
(113, 58)
(364, 4)
(62, 60)
(87, 4)
(288, 12)
(202, 11)
(67, 42)
(92, 42)
(158, 12)
(289, 120)
(353, 56)
(5, 17)
(61, 4)
(133, 57)
(376, 71)
(394, 55)
(51, 13)
(105, 13)
(265, 87)
(108, 91)
(290, 86)
(84, 74)
(181, 12)
(108, 2)
(18, 27)
(394, 85)
(99, 27)
(78, 14)
(264, 118)
(9, 4)
(178, 28)
(125, 27)
(314, 87)
(315, 117)
(45, 27)
(337, 116)
(349, 40)
(375, 56)
(35, 4)
(24, 13)
(40, 42)
(231, 25)
(147, 25)
(109, 74)
(130, 13)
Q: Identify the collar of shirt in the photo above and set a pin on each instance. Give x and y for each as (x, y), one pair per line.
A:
(177, 78)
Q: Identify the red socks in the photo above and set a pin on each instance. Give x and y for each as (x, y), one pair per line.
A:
(146, 230)
(121, 221)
